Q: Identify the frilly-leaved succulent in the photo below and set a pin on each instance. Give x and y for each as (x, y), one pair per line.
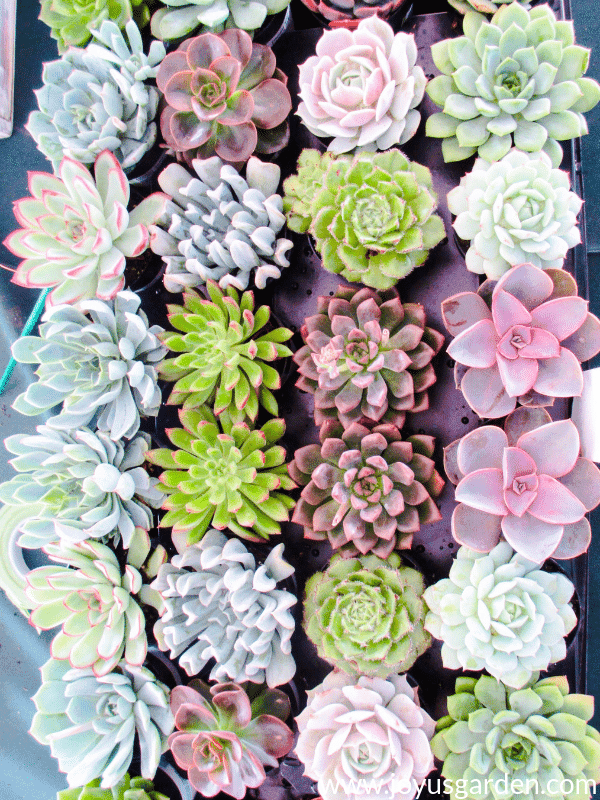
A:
(127, 788)
(179, 18)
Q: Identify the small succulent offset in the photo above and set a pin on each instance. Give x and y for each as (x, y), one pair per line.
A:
(225, 739)
(77, 231)
(362, 87)
(371, 215)
(366, 490)
(99, 360)
(181, 17)
(220, 358)
(224, 474)
(528, 484)
(346, 13)
(483, 6)
(517, 78)
(221, 226)
(73, 23)
(501, 613)
(521, 340)
(514, 211)
(88, 485)
(127, 788)
(98, 99)
(224, 96)
(536, 739)
(219, 604)
(367, 357)
(365, 737)
(365, 615)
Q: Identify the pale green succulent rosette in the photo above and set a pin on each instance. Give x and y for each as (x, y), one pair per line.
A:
(483, 6)
(179, 18)
(72, 21)
(127, 788)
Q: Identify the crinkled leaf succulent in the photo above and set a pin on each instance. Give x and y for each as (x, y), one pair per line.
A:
(72, 23)
(98, 99)
(528, 484)
(483, 6)
(99, 360)
(224, 474)
(366, 490)
(521, 339)
(517, 78)
(500, 613)
(88, 485)
(77, 231)
(221, 605)
(365, 615)
(127, 788)
(224, 96)
(182, 17)
(220, 358)
(221, 226)
(495, 736)
(372, 216)
(91, 723)
(224, 740)
(367, 357)
(366, 737)
(362, 87)
(515, 211)
(346, 13)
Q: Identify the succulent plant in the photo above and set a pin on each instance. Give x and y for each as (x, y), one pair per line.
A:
(365, 615)
(219, 604)
(88, 485)
(527, 483)
(224, 740)
(91, 722)
(362, 87)
(181, 17)
(517, 78)
(518, 210)
(366, 490)
(300, 188)
(99, 360)
(221, 226)
(77, 231)
(483, 6)
(127, 788)
(502, 613)
(222, 360)
(346, 13)
(97, 99)
(496, 737)
(224, 474)
(367, 357)
(224, 96)
(371, 216)
(365, 737)
(73, 23)
(521, 339)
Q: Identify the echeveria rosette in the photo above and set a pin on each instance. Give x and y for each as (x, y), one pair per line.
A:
(515, 79)
(77, 231)
(366, 490)
(220, 604)
(517, 210)
(87, 485)
(72, 23)
(367, 357)
(365, 615)
(224, 96)
(99, 360)
(348, 13)
(495, 737)
(365, 736)
(127, 788)
(178, 18)
(530, 486)
(362, 87)
(91, 723)
(221, 226)
(224, 474)
(500, 613)
(483, 6)
(224, 740)
(521, 340)
(302, 187)
(221, 358)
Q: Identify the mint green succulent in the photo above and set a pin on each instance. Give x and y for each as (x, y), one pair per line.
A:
(483, 6)
(126, 789)
(72, 21)
(180, 18)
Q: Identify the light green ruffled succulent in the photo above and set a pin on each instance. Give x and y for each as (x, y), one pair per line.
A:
(180, 18)
(127, 788)
(483, 6)
(518, 78)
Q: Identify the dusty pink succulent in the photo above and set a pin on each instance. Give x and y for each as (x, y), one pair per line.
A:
(224, 96)
(527, 483)
(522, 340)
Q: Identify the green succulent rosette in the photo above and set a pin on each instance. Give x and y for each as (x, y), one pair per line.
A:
(483, 6)
(127, 788)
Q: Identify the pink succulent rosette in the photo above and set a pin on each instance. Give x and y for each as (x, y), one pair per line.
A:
(526, 483)
(362, 87)
(348, 13)
(224, 96)
(523, 342)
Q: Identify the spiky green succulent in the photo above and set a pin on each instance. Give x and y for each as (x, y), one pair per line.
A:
(182, 17)
(365, 615)
(226, 475)
(127, 788)
(220, 356)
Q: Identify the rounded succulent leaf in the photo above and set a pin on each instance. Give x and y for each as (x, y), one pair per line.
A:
(75, 23)
(179, 18)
